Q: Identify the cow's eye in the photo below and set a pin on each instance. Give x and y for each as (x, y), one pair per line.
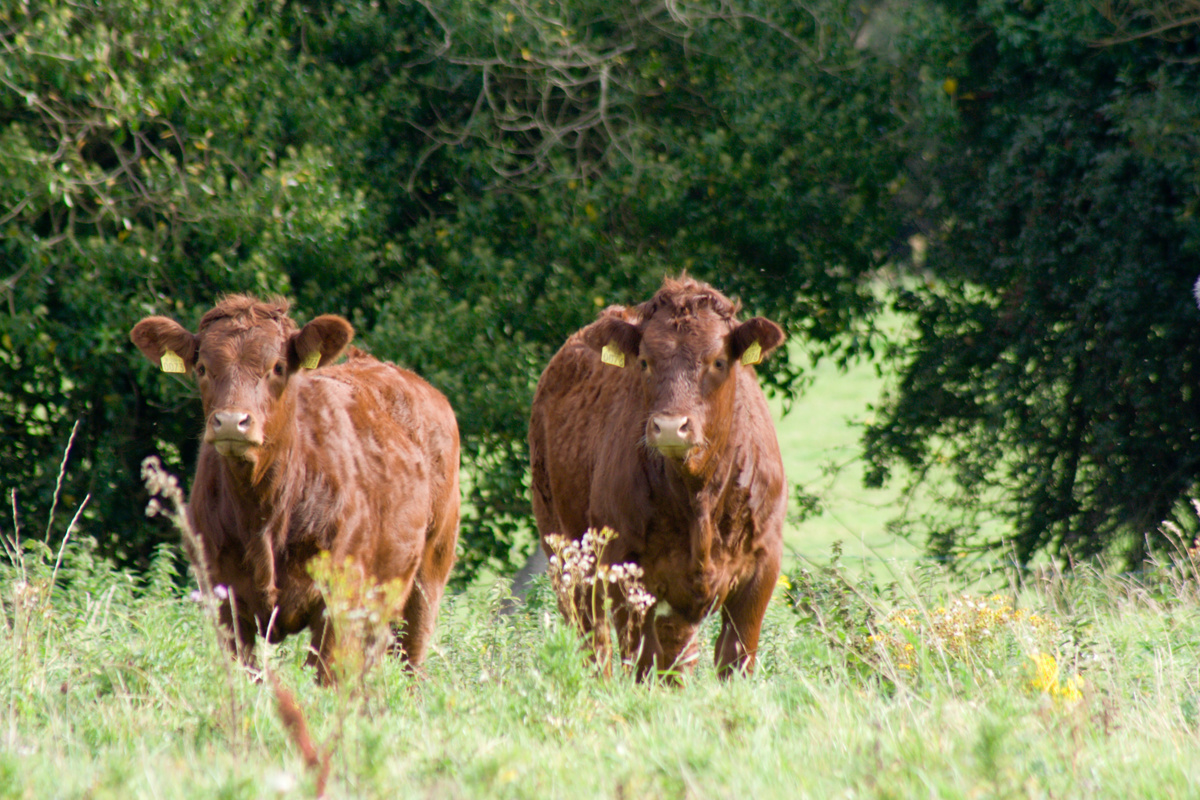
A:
(644, 364)
(200, 370)
(720, 364)
(279, 368)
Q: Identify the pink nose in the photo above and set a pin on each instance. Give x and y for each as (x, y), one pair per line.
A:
(670, 433)
(230, 424)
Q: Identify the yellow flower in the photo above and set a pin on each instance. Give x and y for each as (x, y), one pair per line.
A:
(1045, 673)
(1045, 679)
(1072, 690)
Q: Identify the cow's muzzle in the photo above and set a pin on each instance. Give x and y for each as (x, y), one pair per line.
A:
(673, 436)
(232, 433)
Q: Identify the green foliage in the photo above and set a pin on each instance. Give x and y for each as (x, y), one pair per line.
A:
(1054, 367)
(145, 169)
(469, 183)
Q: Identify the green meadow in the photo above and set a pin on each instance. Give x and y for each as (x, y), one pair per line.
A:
(819, 438)
(890, 682)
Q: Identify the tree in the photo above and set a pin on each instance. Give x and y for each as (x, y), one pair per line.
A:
(468, 181)
(1055, 364)
(148, 162)
(571, 158)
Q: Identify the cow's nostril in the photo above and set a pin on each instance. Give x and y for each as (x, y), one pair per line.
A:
(670, 432)
(231, 423)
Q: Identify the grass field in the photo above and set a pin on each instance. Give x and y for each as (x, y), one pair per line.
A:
(881, 687)
(819, 437)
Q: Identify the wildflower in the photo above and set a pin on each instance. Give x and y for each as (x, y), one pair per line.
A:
(1045, 679)
(1045, 673)
(1072, 690)
(961, 628)
(576, 572)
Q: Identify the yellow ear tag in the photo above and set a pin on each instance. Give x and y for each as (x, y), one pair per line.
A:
(311, 360)
(753, 354)
(171, 362)
(609, 354)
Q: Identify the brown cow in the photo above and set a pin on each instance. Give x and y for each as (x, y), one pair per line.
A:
(651, 421)
(360, 459)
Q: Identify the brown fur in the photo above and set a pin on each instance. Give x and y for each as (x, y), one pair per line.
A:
(705, 525)
(360, 459)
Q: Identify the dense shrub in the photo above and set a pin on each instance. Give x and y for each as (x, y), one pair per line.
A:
(1054, 368)
(469, 183)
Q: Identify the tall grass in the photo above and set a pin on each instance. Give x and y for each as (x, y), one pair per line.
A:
(887, 680)
(116, 687)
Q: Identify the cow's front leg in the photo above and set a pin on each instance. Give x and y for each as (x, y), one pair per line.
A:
(320, 652)
(702, 572)
(240, 633)
(742, 616)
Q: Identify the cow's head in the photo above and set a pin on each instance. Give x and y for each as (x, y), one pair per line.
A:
(687, 346)
(242, 356)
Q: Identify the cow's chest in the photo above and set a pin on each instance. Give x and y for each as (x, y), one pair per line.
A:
(674, 574)
(278, 602)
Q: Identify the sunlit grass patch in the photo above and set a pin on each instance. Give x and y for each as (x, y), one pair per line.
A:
(122, 690)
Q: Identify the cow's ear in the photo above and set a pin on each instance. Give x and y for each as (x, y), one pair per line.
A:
(319, 342)
(753, 340)
(166, 344)
(615, 338)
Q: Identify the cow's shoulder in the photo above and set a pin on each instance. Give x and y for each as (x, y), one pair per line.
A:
(758, 471)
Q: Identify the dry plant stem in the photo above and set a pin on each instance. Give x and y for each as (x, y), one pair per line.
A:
(361, 618)
(599, 599)
(294, 722)
(13, 550)
(62, 471)
(66, 536)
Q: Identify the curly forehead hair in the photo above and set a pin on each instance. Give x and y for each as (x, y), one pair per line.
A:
(685, 297)
(247, 312)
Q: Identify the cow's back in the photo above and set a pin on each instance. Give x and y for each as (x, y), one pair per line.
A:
(406, 437)
(386, 428)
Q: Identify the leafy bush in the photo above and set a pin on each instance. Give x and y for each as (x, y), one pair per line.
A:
(469, 183)
(1053, 370)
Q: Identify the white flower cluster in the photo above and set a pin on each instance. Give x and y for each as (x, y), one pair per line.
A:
(629, 576)
(583, 582)
(573, 561)
(159, 482)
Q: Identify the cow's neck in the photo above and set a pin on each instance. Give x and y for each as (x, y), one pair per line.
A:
(706, 482)
(256, 485)
(703, 487)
